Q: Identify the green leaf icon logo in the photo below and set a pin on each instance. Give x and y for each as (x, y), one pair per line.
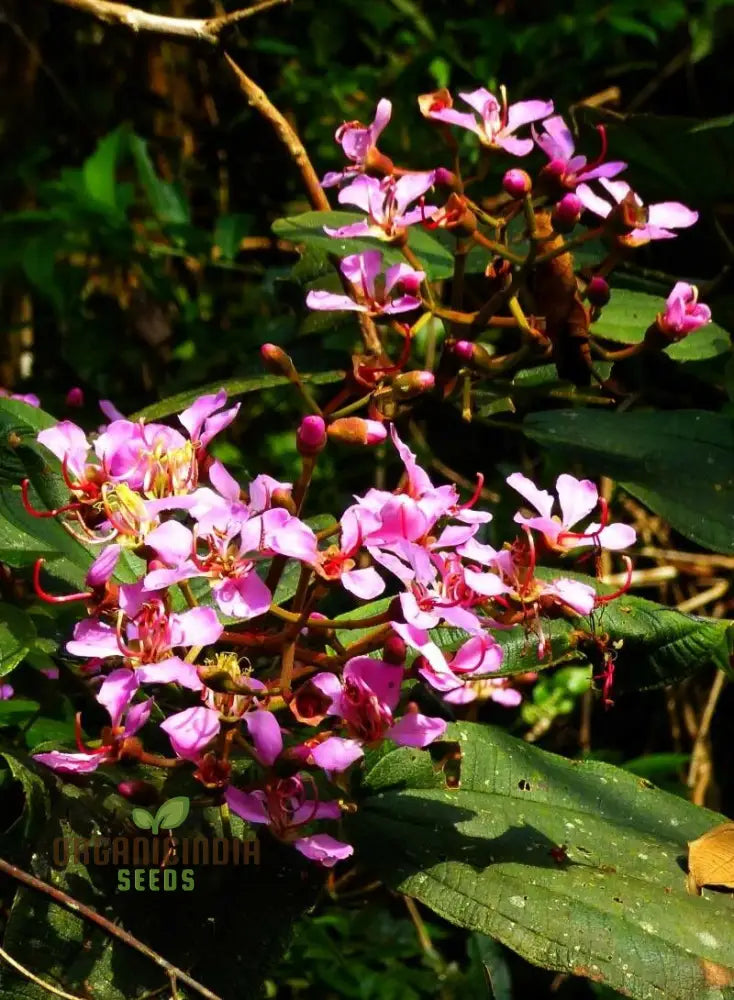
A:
(142, 819)
(172, 813)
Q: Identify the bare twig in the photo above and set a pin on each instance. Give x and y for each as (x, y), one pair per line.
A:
(701, 767)
(208, 31)
(34, 978)
(96, 918)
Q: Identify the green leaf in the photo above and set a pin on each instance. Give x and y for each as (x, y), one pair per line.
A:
(36, 802)
(235, 387)
(17, 636)
(172, 813)
(166, 202)
(680, 463)
(436, 260)
(142, 819)
(482, 856)
(628, 315)
(100, 169)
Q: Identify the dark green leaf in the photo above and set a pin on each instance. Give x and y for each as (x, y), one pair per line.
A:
(628, 315)
(484, 856)
(680, 463)
(166, 202)
(235, 387)
(17, 635)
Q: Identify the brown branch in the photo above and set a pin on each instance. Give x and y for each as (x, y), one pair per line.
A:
(208, 30)
(96, 918)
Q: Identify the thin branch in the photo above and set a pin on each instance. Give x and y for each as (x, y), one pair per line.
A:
(96, 918)
(34, 978)
(208, 30)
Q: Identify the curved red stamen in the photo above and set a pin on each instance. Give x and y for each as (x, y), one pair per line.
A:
(41, 513)
(475, 495)
(80, 742)
(605, 598)
(604, 510)
(601, 129)
(52, 598)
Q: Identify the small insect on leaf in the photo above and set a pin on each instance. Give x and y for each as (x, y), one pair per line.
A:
(711, 859)
(142, 819)
(172, 813)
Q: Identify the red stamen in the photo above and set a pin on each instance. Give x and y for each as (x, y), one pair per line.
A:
(80, 742)
(52, 598)
(41, 513)
(475, 495)
(602, 152)
(605, 598)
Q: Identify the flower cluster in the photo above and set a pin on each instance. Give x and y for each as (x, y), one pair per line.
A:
(230, 673)
(567, 187)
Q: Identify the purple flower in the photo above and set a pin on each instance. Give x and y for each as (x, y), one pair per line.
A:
(577, 499)
(657, 219)
(362, 271)
(494, 122)
(6, 692)
(386, 203)
(557, 143)
(683, 312)
(358, 141)
(324, 849)
(29, 398)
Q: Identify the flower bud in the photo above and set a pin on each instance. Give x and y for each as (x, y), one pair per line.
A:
(517, 183)
(142, 792)
(75, 397)
(277, 362)
(283, 498)
(445, 178)
(394, 651)
(411, 384)
(598, 292)
(566, 213)
(474, 355)
(311, 436)
(357, 431)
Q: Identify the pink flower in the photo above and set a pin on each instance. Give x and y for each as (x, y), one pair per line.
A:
(365, 700)
(191, 730)
(362, 270)
(494, 122)
(358, 141)
(577, 499)
(683, 312)
(386, 203)
(557, 143)
(658, 219)
(29, 398)
(6, 692)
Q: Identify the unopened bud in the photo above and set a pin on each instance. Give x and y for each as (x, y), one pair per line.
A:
(474, 355)
(277, 362)
(598, 292)
(411, 384)
(311, 436)
(75, 397)
(357, 431)
(443, 177)
(567, 213)
(394, 651)
(283, 498)
(517, 183)
(142, 792)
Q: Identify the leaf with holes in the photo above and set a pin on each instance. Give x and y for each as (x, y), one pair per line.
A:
(577, 866)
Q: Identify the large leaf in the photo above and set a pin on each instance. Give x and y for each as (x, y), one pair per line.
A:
(308, 229)
(484, 856)
(652, 644)
(680, 463)
(235, 387)
(17, 637)
(628, 315)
